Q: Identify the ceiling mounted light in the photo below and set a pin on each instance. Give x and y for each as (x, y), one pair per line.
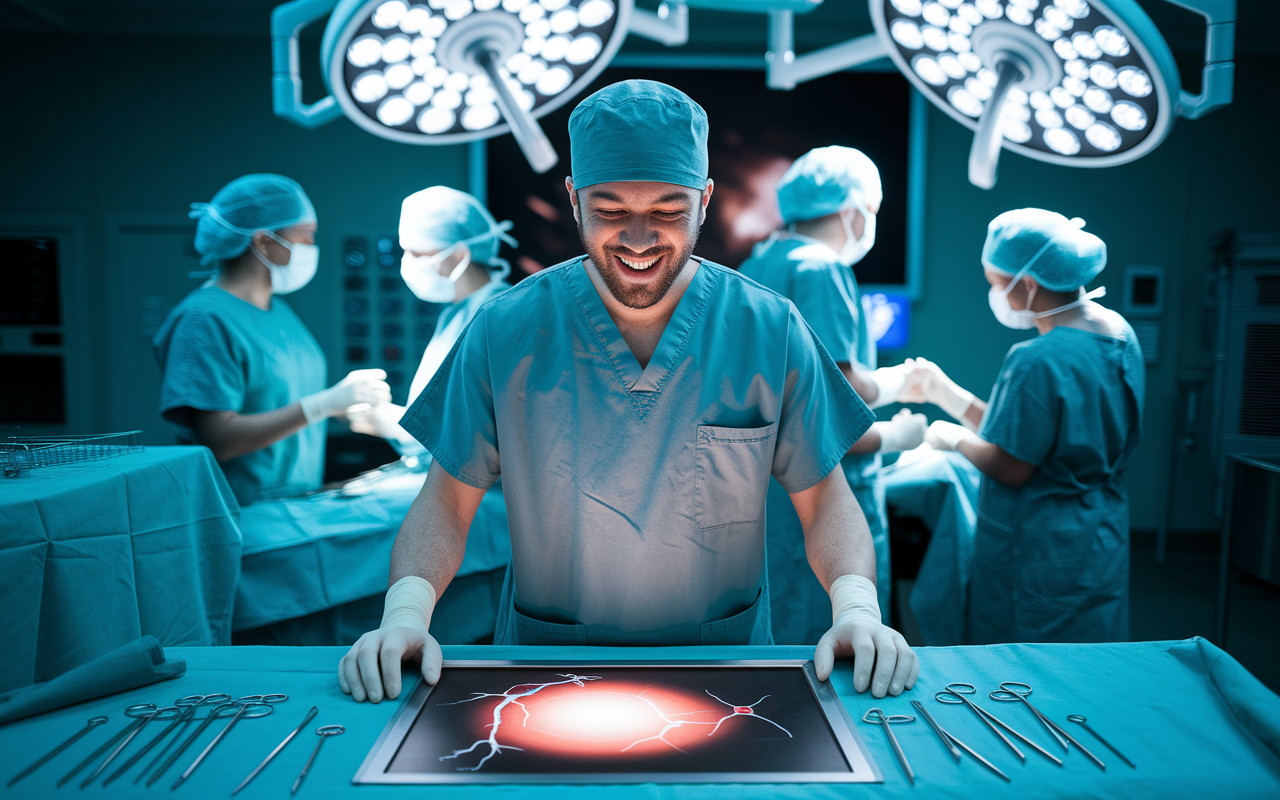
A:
(1099, 64)
(447, 71)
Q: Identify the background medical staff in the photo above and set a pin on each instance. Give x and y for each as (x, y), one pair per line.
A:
(241, 374)
(451, 245)
(1051, 554)
(829, 199)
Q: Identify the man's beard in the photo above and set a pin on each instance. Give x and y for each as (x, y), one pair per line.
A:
(634, 295)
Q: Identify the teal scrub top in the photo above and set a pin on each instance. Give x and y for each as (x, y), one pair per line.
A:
(1051, 558)
(636, 496)
(488, 540)
(825, 292)
(219, 353)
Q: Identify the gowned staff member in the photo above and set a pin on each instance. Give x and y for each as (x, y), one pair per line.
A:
(635, 401)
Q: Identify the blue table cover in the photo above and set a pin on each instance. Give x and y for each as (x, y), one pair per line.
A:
(1194, 721)
(306, 555)
(942, 490)
(95, 555)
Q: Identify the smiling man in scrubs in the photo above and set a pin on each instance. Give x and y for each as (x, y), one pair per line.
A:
(635, 402)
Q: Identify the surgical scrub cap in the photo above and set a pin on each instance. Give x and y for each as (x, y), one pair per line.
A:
(1054, 250)
(825, 180)
(638, 131)
(440, 217)
(241, 208)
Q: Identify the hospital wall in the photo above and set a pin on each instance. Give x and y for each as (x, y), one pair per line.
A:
(116, 136)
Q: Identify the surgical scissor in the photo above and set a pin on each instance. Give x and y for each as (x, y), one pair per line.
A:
(955, 693)
(190, 704)
(875, 716)
(217, 712)
(953, 744)
(1014, 691)
(265, 701)
(143, 717)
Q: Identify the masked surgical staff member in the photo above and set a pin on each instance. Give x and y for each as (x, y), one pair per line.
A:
(1051, 553)
(241, 373)
(451, 244)
(635, 401)
(829, 199)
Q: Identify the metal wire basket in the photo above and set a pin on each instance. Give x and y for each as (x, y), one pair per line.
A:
(21, 453)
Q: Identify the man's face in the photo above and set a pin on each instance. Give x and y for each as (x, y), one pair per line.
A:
(639, 234)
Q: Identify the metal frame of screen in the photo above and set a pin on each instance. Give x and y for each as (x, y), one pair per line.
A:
(374, 768)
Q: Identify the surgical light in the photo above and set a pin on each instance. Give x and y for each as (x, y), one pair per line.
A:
(447, 71)
(1101, 64)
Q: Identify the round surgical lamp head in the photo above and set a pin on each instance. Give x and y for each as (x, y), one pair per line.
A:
(448, 71)
(1082, 83)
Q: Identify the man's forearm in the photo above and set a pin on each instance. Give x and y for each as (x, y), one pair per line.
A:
(837, 540)
(433, 536)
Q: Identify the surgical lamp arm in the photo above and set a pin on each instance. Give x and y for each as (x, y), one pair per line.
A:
(669, 26)
(287, 21)
(786, 69)
(1217, 77)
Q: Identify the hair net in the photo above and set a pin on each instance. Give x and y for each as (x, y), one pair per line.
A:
(440, 217)
(825, 180)
(241, 208)
(638, 131)
(1054, 250)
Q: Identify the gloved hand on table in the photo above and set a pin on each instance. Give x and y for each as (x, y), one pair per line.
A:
(883, 661)
(948, 435)
(904, 432)
(371, 668)
(929, 384)
(361, 388)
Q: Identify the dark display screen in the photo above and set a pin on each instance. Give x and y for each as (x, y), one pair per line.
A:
(29, 282)
(609, 720)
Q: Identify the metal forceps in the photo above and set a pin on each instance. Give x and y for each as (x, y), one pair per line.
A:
(186, 705)
(1083, 722)
(143, 718)
(135, 712)
(953, 744)
(955, 693)
(266, 701)
(323, 732)
(45, 759)
(204, 723)
(877, 717)
(1013, 692)
(190, 704)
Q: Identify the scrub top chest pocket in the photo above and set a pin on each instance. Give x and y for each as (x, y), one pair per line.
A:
(731, 474)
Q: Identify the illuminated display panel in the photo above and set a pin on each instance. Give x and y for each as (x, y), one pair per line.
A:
(710, 722)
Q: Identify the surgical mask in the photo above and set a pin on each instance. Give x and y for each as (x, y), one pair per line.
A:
(303, 261)
(854, 250)
(1022, 319)
(422, 273)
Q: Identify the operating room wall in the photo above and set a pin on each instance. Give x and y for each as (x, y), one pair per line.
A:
(1213, 173)
(127, 131)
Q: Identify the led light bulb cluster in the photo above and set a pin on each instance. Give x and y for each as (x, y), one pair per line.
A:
(391, 72)
(1104, 104)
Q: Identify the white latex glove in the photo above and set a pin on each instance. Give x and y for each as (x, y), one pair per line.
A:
(361, 387)
(929, 384)
(882, 659)
(371, 668)
(948, 435)
(904, 432)
(890, 380)
(382, 420)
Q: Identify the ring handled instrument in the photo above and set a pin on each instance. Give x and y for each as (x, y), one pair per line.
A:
(144, 713)
(875, 716)
(204, 723)
(186, 705)
(1083, 722)
(951, 741)
(942, 735)
(961, 689)
(190, 704)
(45, 759)
(324, 731)
(305, 720)
(135, 712)
(1012, 691)
(264, 701)
(955, 695)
